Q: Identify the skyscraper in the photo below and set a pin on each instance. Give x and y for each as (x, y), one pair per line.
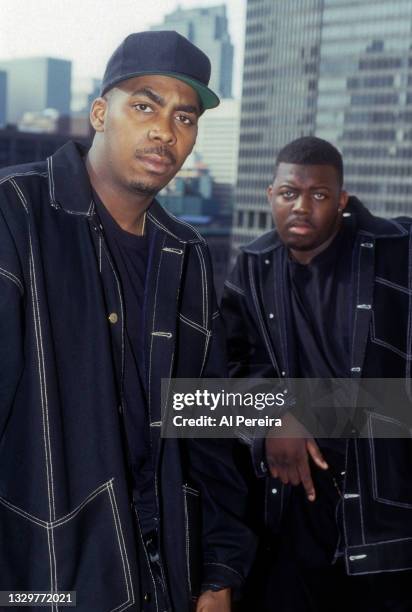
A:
(37, 83)
(208, 29)
(365, 98)
(339, 69)
(218, 140)
(281, 69)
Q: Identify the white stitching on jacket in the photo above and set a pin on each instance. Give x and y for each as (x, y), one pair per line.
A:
(10, 276)
(51, 182)
(226, 567)
(376, 340)
(43, 391)
(23, 513)
(259, 314)
(9, 177)
(183, 223)
(204, 285)
(238, 290)
(388, 283)
(360, 496)
(162, 227)
(195, 326)
(122, 547)
(187, 541)
(205, 353)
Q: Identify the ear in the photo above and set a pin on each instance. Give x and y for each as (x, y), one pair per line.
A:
(98, 114)
(269, 194)
(343, 199)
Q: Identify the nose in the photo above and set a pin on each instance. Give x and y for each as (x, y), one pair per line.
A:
(161, 131)
(302, 205)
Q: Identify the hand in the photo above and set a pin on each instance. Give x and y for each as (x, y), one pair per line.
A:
(214, 601)
(288, 458)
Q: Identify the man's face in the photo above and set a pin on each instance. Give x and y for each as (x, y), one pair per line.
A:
(147, 126)
(306, 205)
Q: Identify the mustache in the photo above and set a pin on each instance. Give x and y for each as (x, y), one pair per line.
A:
(162, 151)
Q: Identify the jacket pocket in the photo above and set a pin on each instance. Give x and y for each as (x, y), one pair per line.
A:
(25, 550)
(193, 532)
(390, 444)
(83, 551)
(387, 328)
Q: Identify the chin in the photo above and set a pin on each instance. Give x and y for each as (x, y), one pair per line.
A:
(142, 188)
(300, 245)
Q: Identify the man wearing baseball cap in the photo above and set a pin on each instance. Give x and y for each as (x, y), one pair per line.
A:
(104, 294)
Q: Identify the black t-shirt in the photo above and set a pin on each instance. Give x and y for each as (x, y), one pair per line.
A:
(320, 297)
(130, 255)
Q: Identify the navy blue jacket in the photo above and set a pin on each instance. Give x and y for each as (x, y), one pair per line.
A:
(377, 496)
(66, 521)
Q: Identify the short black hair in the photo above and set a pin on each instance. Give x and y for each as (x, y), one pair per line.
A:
(311, 151)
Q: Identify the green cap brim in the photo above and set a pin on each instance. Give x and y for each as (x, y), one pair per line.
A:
(207, 97)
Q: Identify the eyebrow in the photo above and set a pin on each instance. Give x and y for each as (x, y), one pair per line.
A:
(293, 186)
(155, 97)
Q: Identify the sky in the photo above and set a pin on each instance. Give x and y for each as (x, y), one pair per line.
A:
(87, 31)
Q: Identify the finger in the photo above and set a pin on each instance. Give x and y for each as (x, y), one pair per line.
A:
(306, 479)
(294, 476)
(283, 475)
(273, 472)
(314, 452)
(272, 465)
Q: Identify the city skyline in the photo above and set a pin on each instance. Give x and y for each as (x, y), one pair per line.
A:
(81, 32)
(337, 69)
(207, 28)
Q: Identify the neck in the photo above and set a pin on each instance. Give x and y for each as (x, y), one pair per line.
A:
(305, 257)
(127, 209)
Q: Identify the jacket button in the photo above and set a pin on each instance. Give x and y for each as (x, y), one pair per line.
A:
(267, 261)
(146, 596)
(274, 491)
(113, 318)
(271, 315)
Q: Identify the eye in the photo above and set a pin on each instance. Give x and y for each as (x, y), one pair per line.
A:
(144, 108)
(319, 196)
(288, 194)
(185, 119)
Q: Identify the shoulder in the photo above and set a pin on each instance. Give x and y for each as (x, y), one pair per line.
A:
(175, 227)
(32, 170)
(262, 244)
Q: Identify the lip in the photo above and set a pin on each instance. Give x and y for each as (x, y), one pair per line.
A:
(157, 164)
(300, 228)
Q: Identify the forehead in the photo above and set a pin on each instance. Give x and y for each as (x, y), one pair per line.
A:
(305, 174)
(169, 88)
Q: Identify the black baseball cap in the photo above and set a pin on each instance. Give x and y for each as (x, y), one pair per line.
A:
(163, 52)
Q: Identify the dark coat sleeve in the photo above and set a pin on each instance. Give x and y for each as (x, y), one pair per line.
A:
(228, 544)
(11, 324)
(247, 354)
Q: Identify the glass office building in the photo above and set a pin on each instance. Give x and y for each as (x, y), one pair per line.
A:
(207, 27)
(340, 69)
(365, 98)
(279, 95)
(36, 83)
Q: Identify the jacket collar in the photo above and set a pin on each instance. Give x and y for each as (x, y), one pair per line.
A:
(70, 190)
(367, 224)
